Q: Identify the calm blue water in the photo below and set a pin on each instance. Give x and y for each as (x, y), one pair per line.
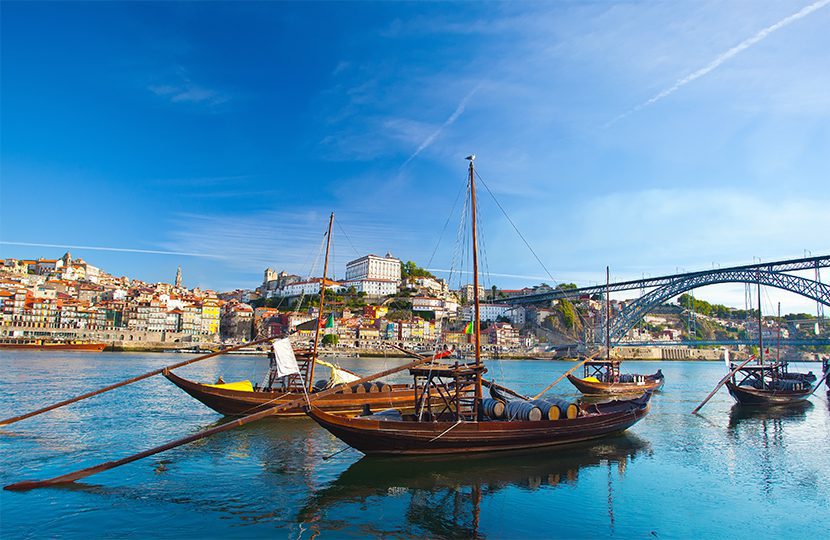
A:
(726, 473)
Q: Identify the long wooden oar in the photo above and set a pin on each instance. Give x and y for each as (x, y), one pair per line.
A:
(89, 471)
(722, 382)
(554, 383)
(819, 382)
(149, 374)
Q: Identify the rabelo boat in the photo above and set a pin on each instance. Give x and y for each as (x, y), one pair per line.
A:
(767, 383)
(462, 420)
(242, 398)
(603, 377)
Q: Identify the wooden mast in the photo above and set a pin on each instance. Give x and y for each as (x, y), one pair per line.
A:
(760, 332)
(607, 313)
(313, 359)
(477, 308)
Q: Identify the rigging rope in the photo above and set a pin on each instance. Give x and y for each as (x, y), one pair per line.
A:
(515, 228)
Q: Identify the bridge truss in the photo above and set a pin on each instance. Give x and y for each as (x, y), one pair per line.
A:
(771, 274)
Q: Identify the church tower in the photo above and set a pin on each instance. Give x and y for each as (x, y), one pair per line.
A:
(179, 277)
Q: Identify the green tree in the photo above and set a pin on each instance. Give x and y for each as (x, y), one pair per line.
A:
(330, 339)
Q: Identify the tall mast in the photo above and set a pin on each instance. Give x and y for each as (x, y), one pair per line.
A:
(760, 333)
(607, 313)
(313, 359)
(477, 316)
(779, 334)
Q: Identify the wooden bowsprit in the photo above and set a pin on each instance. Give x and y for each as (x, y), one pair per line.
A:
(89, 471)
(147, 375)
(721, 383)
(554, 383)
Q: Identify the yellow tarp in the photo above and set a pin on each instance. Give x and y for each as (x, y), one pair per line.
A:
(590, 379)
(242, 386)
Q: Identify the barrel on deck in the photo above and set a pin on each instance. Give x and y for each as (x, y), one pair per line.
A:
(493, 408)
(523, 410)
(384, 387)
(555, 408)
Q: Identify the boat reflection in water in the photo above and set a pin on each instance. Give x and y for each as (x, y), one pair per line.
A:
(442, 496)
(775, 417)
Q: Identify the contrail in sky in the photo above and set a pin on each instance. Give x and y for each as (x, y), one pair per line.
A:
(448, 122)
(127, 250)
(740, 47)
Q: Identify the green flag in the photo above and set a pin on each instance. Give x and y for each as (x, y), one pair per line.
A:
(469, 329)
(330, 321)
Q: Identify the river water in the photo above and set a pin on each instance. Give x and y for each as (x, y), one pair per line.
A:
(726, 473)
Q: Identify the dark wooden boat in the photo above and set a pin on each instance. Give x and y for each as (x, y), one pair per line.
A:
(765, 384)
(231, 402)
(603, 377)
(462, 421)
(43, 345)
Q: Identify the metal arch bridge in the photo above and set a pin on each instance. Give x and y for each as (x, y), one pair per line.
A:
(771, 274)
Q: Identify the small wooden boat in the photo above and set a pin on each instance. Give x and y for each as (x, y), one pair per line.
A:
(43, 345)
(462, 421)
(767, 384)
(603, 377)
(241, 399)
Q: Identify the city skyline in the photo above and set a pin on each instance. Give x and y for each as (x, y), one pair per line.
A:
(648, 137)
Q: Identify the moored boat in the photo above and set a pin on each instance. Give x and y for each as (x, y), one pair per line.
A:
(463, 421)
(603, 377)
(242, 398)
(767, 384)
(44, 345)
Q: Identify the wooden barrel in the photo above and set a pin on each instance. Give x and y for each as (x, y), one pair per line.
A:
(384, 387)
(372, 387)
(549, 410)
(523, 410)
(566, 408)
(493, 408)
(361, 388)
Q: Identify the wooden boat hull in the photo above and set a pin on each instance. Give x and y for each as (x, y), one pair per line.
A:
(56, 346)
(650, 384)
(401, 437)
(746, 395)
(241, 403)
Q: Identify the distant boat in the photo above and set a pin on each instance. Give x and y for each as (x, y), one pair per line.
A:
(767, 383)
(603, 377)
(45, 345)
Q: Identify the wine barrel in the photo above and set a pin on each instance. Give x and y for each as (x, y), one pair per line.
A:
(566, 408)
(373, 387)
(361, 388)
(549, 409)
(523, 410)
(384, 387)
(493, 408)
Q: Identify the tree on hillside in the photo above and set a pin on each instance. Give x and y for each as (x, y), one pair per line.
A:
(411, 270)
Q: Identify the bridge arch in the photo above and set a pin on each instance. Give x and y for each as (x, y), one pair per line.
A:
(636, 310)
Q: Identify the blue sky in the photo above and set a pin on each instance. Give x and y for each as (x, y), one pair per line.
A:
(648, 136)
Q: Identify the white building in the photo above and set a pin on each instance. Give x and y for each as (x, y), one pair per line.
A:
(487, 312)
(373, 275)
(305, 288)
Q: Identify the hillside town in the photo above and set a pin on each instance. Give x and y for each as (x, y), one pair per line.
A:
(380, 299)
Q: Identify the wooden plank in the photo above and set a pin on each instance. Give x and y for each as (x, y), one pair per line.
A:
(147, 375)
(721, 383)
(554, 383)
(89, 471)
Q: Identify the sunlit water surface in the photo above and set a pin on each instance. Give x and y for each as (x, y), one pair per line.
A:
(727, 473)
